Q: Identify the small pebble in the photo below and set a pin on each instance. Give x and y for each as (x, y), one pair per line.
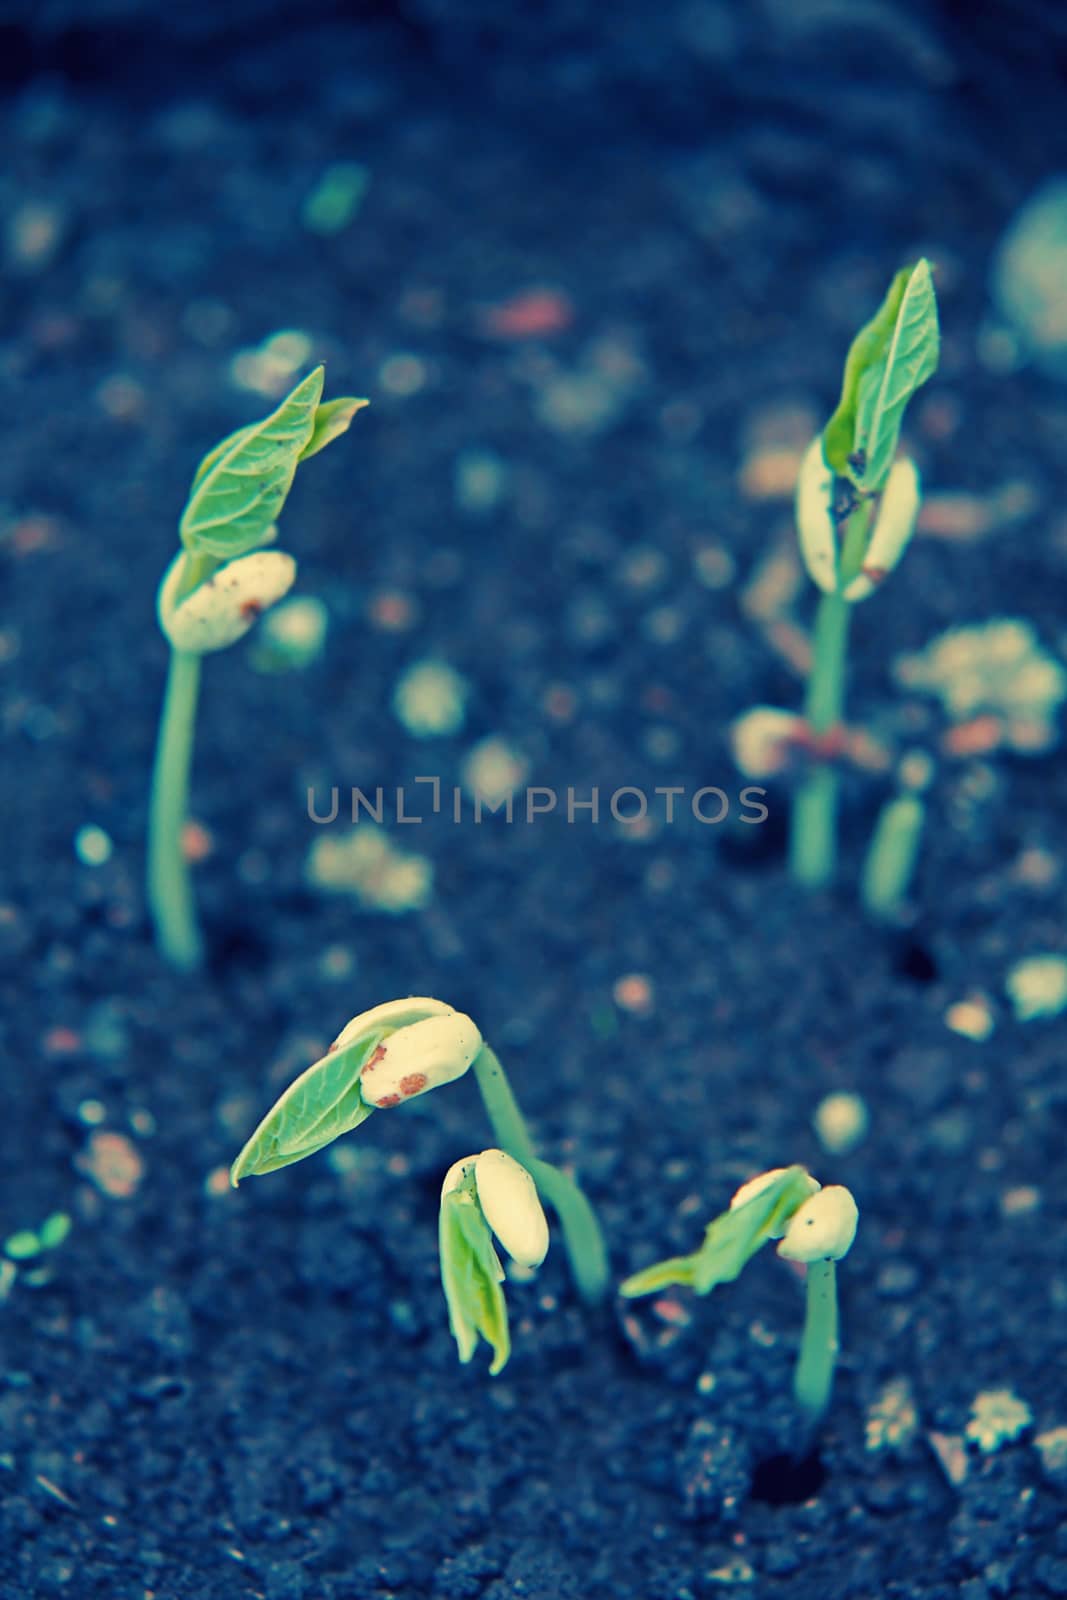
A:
(971, 1018)
(291, 636)
(841, 1121)
(951, 1455)
(269, 368)
(337, 962)
(997, 1417)
(1029, 278)
(430, 700)
(367, 865)
(714, 566)
(112, 1162)
(197, 842)
(402, 374)
(60, 1041)
(92, 845)
(1037, 986)
(893, 1419)
(530, 314)
(1020, 1201)
(34, 234)
(1051, 1447)
(634, 993)
(494, 770)
(479, 481)
(393, 612)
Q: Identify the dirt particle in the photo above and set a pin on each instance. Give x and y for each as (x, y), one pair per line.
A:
(113, 1163)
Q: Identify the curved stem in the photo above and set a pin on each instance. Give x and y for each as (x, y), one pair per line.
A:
(814, 1375)
(170, 895)
(582, 1237)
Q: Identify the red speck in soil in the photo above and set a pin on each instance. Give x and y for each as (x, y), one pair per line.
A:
(531, 314)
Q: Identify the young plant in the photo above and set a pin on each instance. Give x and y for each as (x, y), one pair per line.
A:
(856, 507)
(396, 1052)
(27, 1246)
(222, 579)
(481, 1196)
(891, 856)
(816, 1226)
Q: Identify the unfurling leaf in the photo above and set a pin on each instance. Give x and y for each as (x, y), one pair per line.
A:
(241, 485)
(904, 365)
(471, 1274)
(838, 437)
(327, 1101)
(731, 1240)
(332, 419)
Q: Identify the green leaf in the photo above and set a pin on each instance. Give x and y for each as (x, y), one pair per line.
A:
(730, 1241)
(22, 1246)
(219, 451)
(331, 420)
(241, 485)
(838, 437)
(472, 1276)
(908, 360)
(54, 1230)
(323, 1103)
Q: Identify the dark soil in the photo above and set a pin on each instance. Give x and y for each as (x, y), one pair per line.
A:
(256, 1394)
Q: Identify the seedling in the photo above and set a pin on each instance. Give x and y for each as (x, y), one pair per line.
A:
(394, 1053)
(892, 855)
(816, 1226)
(483, 1195)
(856, 507)
(27, 1245)
(221, 581)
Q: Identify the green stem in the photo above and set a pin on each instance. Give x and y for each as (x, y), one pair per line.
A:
(891, 858)
(582, 1237)
(813, 838)
(814, 1375)
(170, 895)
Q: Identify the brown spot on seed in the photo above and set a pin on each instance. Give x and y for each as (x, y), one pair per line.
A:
(251, 609)
(373, 1059)
(876, 574)
(414, 1083)
(389, 1101)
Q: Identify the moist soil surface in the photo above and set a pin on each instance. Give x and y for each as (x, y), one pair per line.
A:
(255, 1394)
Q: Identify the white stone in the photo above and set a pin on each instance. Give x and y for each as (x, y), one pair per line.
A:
(841, 1121)
(1038, 986)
